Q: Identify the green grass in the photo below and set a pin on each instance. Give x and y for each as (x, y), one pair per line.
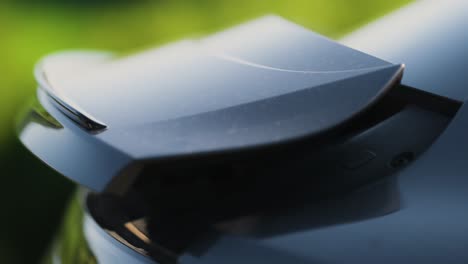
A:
(35, 195)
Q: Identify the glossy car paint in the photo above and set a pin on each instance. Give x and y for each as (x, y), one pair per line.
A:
(428, 37)
(431, 226)
(428, 221)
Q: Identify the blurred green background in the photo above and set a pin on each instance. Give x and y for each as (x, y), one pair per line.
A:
(33, 197)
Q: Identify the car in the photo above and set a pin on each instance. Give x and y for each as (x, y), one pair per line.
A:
(264, 143)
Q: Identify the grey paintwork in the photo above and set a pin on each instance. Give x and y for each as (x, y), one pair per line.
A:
(428, 220)
(431, 224)
(237, 90)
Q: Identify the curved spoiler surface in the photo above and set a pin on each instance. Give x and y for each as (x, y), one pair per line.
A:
(265, 83)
